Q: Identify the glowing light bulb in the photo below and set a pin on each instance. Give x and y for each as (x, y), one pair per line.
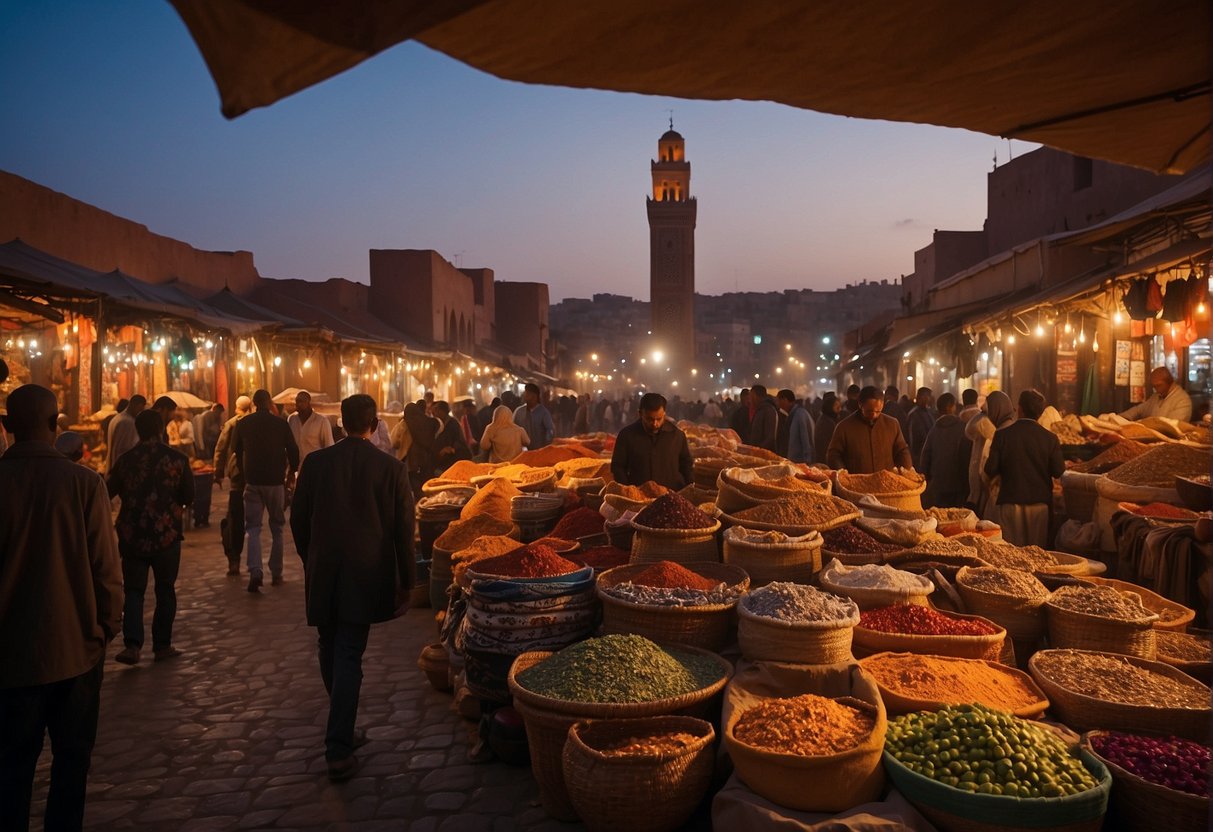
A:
(1011, 340)
(1200, 308)
(1082, 336)
(1040, 331)
(277, 360)
(1117, 317)
(1067, 328)
(307, 363)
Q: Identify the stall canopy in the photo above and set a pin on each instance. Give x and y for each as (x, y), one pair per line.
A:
(1121, 80)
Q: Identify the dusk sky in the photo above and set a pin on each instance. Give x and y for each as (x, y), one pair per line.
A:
(112, 104)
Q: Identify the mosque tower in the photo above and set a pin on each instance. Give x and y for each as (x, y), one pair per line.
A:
(672, 254)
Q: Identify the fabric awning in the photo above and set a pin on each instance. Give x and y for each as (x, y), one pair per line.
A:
(1120, 80)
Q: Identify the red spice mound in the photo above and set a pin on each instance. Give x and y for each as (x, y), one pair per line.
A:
(604, 557)
(531, 561)
(672, 511)
(1164, 510)
(852, 540)
(580, 522)
(911, 619)
(559, 545)
(665, 574)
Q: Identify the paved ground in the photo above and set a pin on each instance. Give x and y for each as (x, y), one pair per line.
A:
(230, 735)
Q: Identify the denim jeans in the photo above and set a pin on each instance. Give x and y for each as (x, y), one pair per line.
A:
(341, 646)
(272, 499)
(68, 711)
(164, 566)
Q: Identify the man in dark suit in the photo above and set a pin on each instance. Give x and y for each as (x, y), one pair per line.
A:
(1027, 457)
(352, 518)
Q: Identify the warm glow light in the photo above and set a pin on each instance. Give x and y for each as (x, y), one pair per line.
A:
(1067, 328)
(277, 360)
(1117, 317)
(1040, 331)
(593, 356)
(1011, 339)
(905, 354)
(787, 346)
(694, 372)
(209, 344)
(1200, 308)
(658, 355)
(307, 363)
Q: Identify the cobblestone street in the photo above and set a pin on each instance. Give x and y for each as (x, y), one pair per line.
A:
(230, 734)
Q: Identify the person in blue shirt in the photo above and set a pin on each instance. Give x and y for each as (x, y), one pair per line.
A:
(534, 418)
(799, 446)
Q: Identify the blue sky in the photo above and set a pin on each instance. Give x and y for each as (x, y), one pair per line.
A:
(111, 103)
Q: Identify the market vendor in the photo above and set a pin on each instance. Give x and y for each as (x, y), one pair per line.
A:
(868, 441)
(652, 448)
(1170, 400)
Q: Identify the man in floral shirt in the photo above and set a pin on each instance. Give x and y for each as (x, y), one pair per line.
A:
(155, 483)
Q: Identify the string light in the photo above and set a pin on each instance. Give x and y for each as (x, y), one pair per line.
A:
(307, 363)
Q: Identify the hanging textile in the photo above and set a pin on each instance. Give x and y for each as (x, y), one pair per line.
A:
(964, 354)
(1134, 300)
(1176, 302)
(1153, 296)
(1090, 391)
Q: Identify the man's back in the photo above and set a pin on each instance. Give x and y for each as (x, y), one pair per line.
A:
(59, 568)
(1027, 457)
(352, 518)
(265, 447)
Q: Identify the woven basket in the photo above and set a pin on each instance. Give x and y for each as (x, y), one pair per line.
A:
(1201, 670)
(1145, 806)
(954, 810)
(679, 545)
(1078, 492)
(899, 703)
(870, 598)
(791, 530)
(1023, 618)
(853, 558)
(801, 642)
(1171, 614)
(696, 495)
(869, 642)
(622, 504)
(795, 561)
(709, 625)
(1079, 631)
(1084, 713)
(909, 500)
(637, 792)
(548, 721)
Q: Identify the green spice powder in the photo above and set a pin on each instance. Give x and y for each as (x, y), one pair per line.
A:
(619, 669)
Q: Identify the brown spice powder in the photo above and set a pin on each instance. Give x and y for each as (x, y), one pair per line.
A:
(807, 726)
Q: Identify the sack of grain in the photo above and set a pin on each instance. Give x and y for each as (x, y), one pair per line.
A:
(907, 533)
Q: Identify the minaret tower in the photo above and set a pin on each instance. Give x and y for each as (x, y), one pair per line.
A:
(672, 254)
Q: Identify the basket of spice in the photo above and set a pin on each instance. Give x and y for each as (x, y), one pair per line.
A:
(642, 775)
(1101, 618)
(1010, 598)
(578, 523)
(787, 622)
(631, 497)
(1188, 652)
(808, 511)
(1160, 511)
(853, 546)
(911, 682)
(671, 528)
(809, 738)
(1161, 782)
(672, 603)
(697, 496)
(1026, 775)
(872, 585)
(611, 677)
(1027, 558)
(912, 629)
(1171, 614)
(1090, 689)
(768, 556)
(901, 488)
(741, 488)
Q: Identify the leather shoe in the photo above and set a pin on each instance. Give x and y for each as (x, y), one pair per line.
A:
(254, 582)
(360, 738)
(129, 655)
(342, 770)
(169, 652)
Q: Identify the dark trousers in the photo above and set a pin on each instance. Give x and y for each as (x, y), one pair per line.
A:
(68, 711)
(164, 566)
(233, 537)
(341, 646)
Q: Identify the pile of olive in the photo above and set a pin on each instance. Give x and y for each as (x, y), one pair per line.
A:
(980, 750)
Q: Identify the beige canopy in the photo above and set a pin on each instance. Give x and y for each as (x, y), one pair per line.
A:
(1122, 80)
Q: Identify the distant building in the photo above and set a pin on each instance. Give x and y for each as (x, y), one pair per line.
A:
(671, 211)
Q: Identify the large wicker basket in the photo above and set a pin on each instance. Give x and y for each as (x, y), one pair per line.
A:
(1080, 631)
(1171, 614)
(1084, 713)
(908, 500)
(868, 642)
(1143, 806)
(899, 703)
(679, 545)
(1023, 618)
(796, 560)
(730, 520)
(709, 625)
(801, 642)
(548, 721)
(637, 792)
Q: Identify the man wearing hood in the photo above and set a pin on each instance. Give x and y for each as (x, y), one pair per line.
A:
(652, 448)
(998, 413)
(1028, 458)
(945, 458)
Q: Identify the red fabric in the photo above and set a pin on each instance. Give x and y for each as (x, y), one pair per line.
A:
(1154, 296)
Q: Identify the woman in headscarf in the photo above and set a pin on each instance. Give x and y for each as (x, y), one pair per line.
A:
(998, 412)
(503, 438)
(823, 432)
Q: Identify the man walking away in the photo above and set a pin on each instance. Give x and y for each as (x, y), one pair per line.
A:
(799, 446)
(534, 418)
(60, 598)
(231, 529)
(920, 419)
(352, 518)
(1028, 458)
(740, 420)
(268, 459)
(311, 431)
(122, 436)
(652, 448)
(155, 483)
(945, 458)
